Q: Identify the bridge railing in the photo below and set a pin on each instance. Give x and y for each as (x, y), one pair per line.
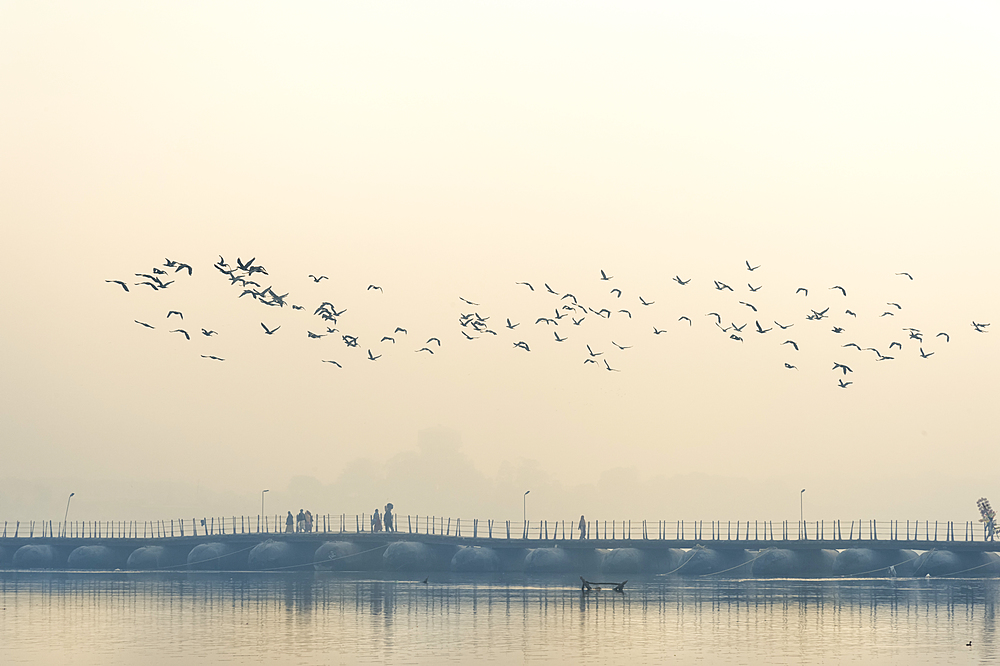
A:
(545, 530)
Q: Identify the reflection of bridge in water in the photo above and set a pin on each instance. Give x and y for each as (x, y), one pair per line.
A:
(425, 544)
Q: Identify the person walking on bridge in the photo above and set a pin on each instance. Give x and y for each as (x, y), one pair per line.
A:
(290, 523)
(583, 528)
(387, 518)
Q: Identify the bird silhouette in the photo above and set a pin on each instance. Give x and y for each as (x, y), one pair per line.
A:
(842, 290)
(467, 301)
(175, 312)
(558, 339)
(906, 274)
(430, 340)
(790, 366)
(792, 343)
(526, 285)
(120, 283)
(678, 280)
(645, 302)
(269, 331)
(626, 312)
(181, 330)
(620, 346)
(316, 278)
(947, 338)
(657, 331)
(759, 329)
(523, 345)
(334, 363)
(208, 333)
(748, 305)
(616, 292)
(214, 358)
(753, 288)
(592, 352)
(842, 384)
(803, 290)
(782, 326)
(751, 268)
(372, 357)
(682, 317)
(842, 367)
(400, 329)
(374, 286)
(513, 326)
(550, 289)
(610, 369)
(605, 276)
(142, 323)
(426, 349)
(925, 355)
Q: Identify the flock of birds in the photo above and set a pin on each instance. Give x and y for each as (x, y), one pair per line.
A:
(563, 314)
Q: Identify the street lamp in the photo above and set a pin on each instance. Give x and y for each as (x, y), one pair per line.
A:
(262, 502)
(802, 522)
(65, 517)
(524, 499)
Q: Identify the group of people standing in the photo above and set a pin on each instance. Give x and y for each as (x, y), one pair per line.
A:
(385, 521)
(301, 523)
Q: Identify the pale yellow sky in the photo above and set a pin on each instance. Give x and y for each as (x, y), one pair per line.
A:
(446, 150)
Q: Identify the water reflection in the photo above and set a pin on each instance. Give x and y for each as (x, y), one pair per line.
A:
(318, 617)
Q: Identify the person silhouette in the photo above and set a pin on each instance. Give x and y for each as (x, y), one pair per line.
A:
(583, 528)
(388, 518)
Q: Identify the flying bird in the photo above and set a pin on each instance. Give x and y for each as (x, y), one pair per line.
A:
(386, 337)
(620, 346)
(626, 312)
(790, 366)
(523, 345)
(207, 333)
(175, 312)
(181, 330)
(924, 355)
(592, 352)
(748, 305)
(753, 268)
(753, 288)
(782, 326)
(426, 349)
(947, 338)
(657, 331)
(852, 344)
(850, 313)
(577, 322)
(467, 301)
(334, 363)
(718, 317)
(605, 276)
(837, 329)
(372, 357)
(550, 289)
(722, 285)
(269, 331)
(891, 344)
(689, 319)
(558, 339)
(610, 369)
(842, 367)
(678, 280)
(842, 384)
(803, 290)
(513, 326)
(142, 323)
(119, 282)
(842, 290)
(759, 329)
(792, 343)
(906, 274)
(430, 340)
(526, 285)
(645, 302)
(616, 292)
(374, 286)
(316, 278)
(214, 358)
(182, 267)
(898, 306)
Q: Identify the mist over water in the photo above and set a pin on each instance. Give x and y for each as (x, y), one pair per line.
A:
(320, 618)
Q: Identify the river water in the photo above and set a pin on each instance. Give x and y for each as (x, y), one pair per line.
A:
(325, 617)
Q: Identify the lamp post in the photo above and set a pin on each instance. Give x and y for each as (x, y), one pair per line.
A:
(802, 522)
(524, 507)
(66, 516)
(262, 502)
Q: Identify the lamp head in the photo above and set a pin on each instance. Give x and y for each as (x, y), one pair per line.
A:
(71, 494)
(526, 492)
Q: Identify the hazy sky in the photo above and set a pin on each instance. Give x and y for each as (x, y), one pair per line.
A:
(447, 150)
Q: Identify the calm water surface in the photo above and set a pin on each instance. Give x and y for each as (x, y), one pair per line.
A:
(322, 618)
